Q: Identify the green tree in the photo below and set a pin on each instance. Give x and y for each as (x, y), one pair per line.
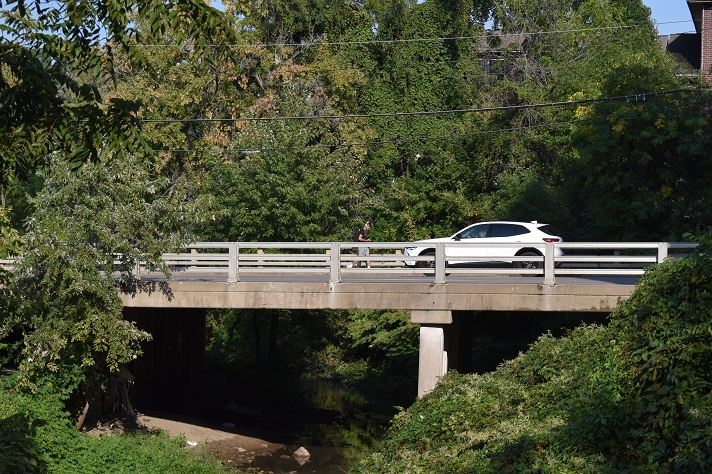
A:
(642, 164)
(294, 179)
(57, 62)
(546, 166)
(189, 106)
(55, 57)
(293, 22)
(418, 168)
(88, 233)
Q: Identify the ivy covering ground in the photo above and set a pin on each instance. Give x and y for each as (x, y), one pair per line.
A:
(37, 436)
(634, 396)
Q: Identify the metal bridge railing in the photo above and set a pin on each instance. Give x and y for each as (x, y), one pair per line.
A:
(334, 258)
(234, 259)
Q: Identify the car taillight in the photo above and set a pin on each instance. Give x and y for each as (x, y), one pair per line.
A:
(551, 239)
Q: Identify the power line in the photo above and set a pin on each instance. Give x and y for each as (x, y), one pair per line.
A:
(308, 69)
(471, 60)
(638, 97)
(492, 33)
(675, 22)
(397, 141)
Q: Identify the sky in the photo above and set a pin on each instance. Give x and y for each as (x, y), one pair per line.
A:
(671, 16)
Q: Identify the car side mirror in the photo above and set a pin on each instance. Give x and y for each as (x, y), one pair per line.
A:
(457, 238)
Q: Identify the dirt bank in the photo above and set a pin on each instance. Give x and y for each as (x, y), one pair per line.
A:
(220, 441)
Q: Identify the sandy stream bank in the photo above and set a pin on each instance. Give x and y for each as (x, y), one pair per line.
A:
(221, 442)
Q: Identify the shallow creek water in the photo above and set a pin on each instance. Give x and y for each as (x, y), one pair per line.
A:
(338, 426)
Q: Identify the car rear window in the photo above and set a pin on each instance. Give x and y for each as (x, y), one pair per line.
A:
(508, 230)
(546, 230)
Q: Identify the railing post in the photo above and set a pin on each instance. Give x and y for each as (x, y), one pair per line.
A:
(440, 262)
(335, 263)
(662, 251)
(232, 265)
(549, 264)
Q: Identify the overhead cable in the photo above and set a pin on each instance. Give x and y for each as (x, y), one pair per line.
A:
(490, 33)
(255, 150)
(637, 97)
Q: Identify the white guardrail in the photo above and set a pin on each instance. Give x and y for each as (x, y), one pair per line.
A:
(335, 258)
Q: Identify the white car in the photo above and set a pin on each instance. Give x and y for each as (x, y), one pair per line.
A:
(530, 237)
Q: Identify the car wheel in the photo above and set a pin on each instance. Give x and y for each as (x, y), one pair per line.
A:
(426, 264)
(529, 265)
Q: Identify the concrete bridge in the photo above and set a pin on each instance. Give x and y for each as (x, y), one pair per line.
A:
(590, 277)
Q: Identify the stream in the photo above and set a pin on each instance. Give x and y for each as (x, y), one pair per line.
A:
(338, 426)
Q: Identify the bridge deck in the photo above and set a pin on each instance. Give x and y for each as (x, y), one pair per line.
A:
(380, 290)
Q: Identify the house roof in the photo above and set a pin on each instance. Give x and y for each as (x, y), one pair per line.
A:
(685, 47)
(696, 7)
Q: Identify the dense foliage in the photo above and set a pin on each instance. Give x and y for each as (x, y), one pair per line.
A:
(57, 56)
(374, 350)
(630, 397)
(414, 116)
(99, 221)
(36, 436)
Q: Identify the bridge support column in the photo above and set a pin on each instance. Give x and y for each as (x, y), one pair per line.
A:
(433, 357)
(445, 343)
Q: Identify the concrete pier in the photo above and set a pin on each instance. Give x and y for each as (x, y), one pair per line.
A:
(445, 344)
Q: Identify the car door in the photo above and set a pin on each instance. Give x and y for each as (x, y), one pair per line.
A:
(505, 233)
(476, 234)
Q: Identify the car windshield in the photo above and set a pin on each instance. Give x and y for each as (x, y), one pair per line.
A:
(475, 232)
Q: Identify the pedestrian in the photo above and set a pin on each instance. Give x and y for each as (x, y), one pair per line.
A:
(362, 236)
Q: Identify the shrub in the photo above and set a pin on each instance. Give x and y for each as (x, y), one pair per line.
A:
(635, 396)
(36, 435)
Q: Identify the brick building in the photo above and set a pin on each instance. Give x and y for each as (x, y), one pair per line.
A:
(694, 50)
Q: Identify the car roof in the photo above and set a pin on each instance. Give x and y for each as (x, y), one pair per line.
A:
(535, 223)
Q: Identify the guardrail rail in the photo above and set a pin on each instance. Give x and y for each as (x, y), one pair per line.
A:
(334, 258)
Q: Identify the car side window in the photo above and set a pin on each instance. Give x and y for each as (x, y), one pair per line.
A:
(475, 232)
(508, 230)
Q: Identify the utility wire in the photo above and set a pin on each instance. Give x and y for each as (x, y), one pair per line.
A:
(638, 97)
(492, 33)
(473, 61)
(465, 60)
(397, 141)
